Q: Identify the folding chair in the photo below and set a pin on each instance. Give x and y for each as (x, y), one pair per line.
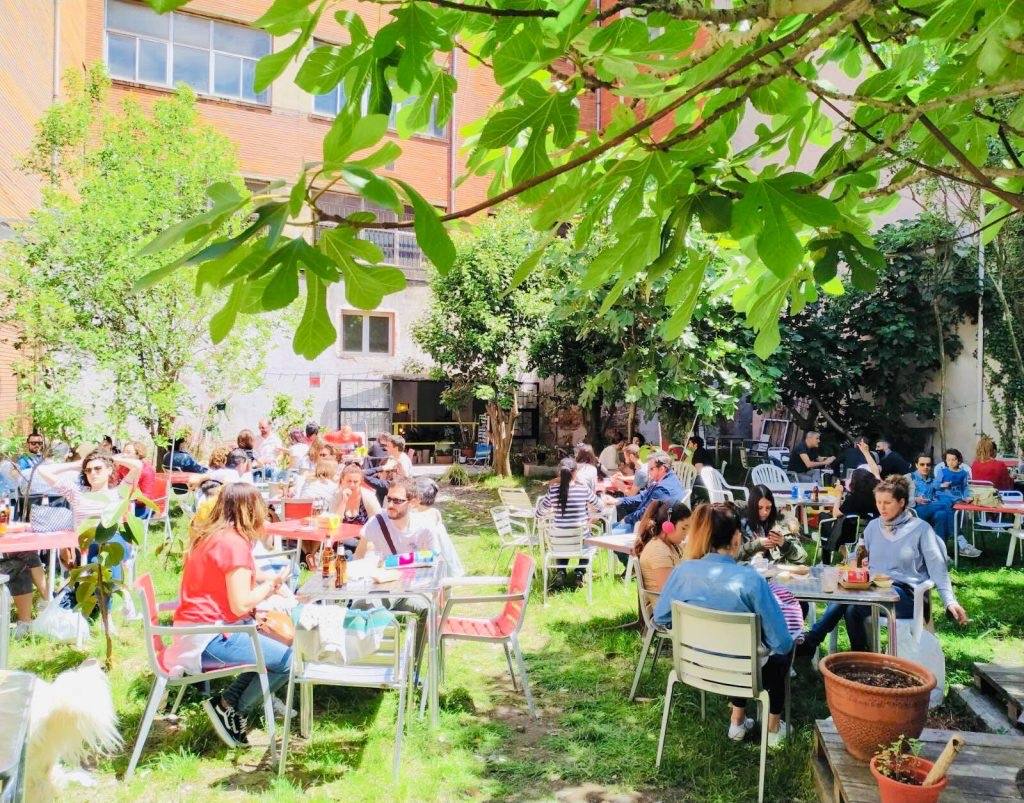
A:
(481, 457)
(388, 668)
(502, 629)
(718, 652)
(154, 634)
(162, 514)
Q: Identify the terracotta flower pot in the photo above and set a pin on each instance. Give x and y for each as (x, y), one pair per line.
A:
(891, 791)
(869, 717)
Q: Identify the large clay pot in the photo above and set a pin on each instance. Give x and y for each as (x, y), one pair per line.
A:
(867, 717)
(890, 791)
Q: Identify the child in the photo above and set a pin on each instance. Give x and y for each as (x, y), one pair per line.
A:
(791, 610)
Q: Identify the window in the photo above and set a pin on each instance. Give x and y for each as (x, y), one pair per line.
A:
(364, 333)
(432, 129)
(330, 103)
(398, 246)
(212, 57)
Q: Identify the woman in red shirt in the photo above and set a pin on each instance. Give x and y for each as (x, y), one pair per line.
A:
(221, 584)
(986, 468)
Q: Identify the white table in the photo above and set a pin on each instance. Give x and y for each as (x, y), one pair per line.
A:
(1016, 532)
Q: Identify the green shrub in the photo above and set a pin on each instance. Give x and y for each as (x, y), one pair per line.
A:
(456, 475)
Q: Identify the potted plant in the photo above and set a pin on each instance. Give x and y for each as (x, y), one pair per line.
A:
(443, 453)
(900, 773)
(875, 698)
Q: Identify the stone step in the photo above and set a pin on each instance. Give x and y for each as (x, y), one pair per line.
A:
(988, 711)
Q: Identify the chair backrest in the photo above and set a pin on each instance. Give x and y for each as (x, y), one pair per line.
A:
(687, 474)
(482, 450)
(768, 474)
(512, 616)
(1011, 496)
(714, 484)
(644, 596)
(297, 508)
(566, 541)
(161, 490)
(515, 498)
(150, 618)
(502, 521)
(716, 651)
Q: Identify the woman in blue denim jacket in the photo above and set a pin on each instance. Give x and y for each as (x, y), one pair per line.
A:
(952, 485)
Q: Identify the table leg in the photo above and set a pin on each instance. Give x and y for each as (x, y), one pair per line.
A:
(1015, 533)
(433, 672)
(53, 570)
(956, 539)
(891, 615)
(5, 618)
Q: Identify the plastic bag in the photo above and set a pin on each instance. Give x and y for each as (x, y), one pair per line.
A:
(60, 621)
(926, 651)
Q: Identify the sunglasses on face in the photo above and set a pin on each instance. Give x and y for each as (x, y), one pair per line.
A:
(392, 501)
(35, 443)
(925, 465)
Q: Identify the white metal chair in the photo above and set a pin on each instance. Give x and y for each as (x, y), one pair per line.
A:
(501, 629)
(718, 489)
(520, 508)
(565, 544)
(154, 634)
(921, 593)
(391, 667)
(651, 632)
(845, 523)
(512, 533)
(770, 474)
(275, 561)
(719, 652)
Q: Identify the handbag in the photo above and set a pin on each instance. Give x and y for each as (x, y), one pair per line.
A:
(50, 518)
(277, 625)
(985, 496)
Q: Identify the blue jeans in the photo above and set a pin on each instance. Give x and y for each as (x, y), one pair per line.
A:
(856, 617)
(236, 648)
(939, 514)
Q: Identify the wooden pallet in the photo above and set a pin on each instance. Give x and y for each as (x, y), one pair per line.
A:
(1005, 684)
(986, 769)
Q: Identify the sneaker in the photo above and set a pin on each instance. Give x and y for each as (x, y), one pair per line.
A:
(968, 550)
(739, 732)
(280, 709)
(776, 738)
(225, 723)
(23, 630)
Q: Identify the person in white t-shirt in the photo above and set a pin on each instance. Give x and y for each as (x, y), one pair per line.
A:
(425, 514)
(611, 454)
(298, 451)
(396, 531)
(269, 447)
(237, 468)
(402, 463)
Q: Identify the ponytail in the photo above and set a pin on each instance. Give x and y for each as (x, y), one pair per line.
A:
(566, 469)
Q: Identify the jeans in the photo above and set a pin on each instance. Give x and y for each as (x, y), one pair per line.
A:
(116, 571)
(236, 648)
(938, 514)
(773, 680)
(856, 617)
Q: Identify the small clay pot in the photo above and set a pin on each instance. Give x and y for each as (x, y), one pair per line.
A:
(892, 791)
(869, 717)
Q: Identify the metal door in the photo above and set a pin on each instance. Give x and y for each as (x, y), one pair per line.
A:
(365, 405)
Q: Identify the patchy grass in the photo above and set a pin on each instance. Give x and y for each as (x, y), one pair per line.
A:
(581, 664)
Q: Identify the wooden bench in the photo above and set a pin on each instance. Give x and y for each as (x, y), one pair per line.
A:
(1005, 684)
(985, 770)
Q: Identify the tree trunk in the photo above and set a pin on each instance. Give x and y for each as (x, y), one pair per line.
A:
(942, 374)
(630, 420)
(595, 433)
(502, 423)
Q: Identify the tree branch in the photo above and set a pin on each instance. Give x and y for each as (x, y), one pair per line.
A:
(1015, 200)
(638, 128)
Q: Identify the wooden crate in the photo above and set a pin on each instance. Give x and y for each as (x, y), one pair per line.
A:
(986, 769)
(1005, 684)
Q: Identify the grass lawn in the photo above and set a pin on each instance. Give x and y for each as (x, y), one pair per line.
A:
(588, 739)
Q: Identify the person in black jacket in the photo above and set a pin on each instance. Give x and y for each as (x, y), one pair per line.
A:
(890, 461)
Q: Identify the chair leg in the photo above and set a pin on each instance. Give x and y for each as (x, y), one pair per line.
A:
(511, 669)
(305, 709)
(544, 584)
(177, 700)
(648, 637)
(763, 701)
(286, 725)
(522, 673)
(147, 722)
(657, 654)
(268, 712)
(703, 706)
(399, 732)
(590, 582)
(666, 708)
(497, 559)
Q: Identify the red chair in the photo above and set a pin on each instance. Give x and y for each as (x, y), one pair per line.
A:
(502, 629)
(297, 508)
(161, 491)
(154, 634)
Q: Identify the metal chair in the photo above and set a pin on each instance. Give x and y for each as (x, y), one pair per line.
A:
(481, 456)
(564, 544)
(651, 632)
(770, 474)
(391, 667)
(720, 652)
(921, 593)
(269, 561)
(836, 541)
(520, 508)
(718, 489)
(154, 634)
(296, 508)
(749, 459)
(501, 629)
(512, 534)
(162, 514)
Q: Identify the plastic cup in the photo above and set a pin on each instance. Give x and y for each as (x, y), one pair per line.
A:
(830, 580)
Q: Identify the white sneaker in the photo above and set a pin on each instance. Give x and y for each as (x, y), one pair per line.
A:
(968, 550)
(279, 708)
(775, 738)
(23, 630)
(739, 732)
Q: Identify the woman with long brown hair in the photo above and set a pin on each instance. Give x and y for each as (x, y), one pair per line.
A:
(660, 533)
(220, 584)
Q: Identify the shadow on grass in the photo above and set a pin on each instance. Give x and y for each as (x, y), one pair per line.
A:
(62, 658)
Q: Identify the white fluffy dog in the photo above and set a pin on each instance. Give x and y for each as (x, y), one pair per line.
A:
(70, 717)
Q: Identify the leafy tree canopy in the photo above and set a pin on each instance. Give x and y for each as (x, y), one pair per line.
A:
(69, 280)
(850, 100)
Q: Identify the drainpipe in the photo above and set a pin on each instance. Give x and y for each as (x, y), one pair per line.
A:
(981, 323)
(451, 138)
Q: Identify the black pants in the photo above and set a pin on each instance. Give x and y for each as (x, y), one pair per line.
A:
(773, 680)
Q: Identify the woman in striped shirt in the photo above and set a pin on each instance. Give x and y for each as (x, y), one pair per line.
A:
(569, 504)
